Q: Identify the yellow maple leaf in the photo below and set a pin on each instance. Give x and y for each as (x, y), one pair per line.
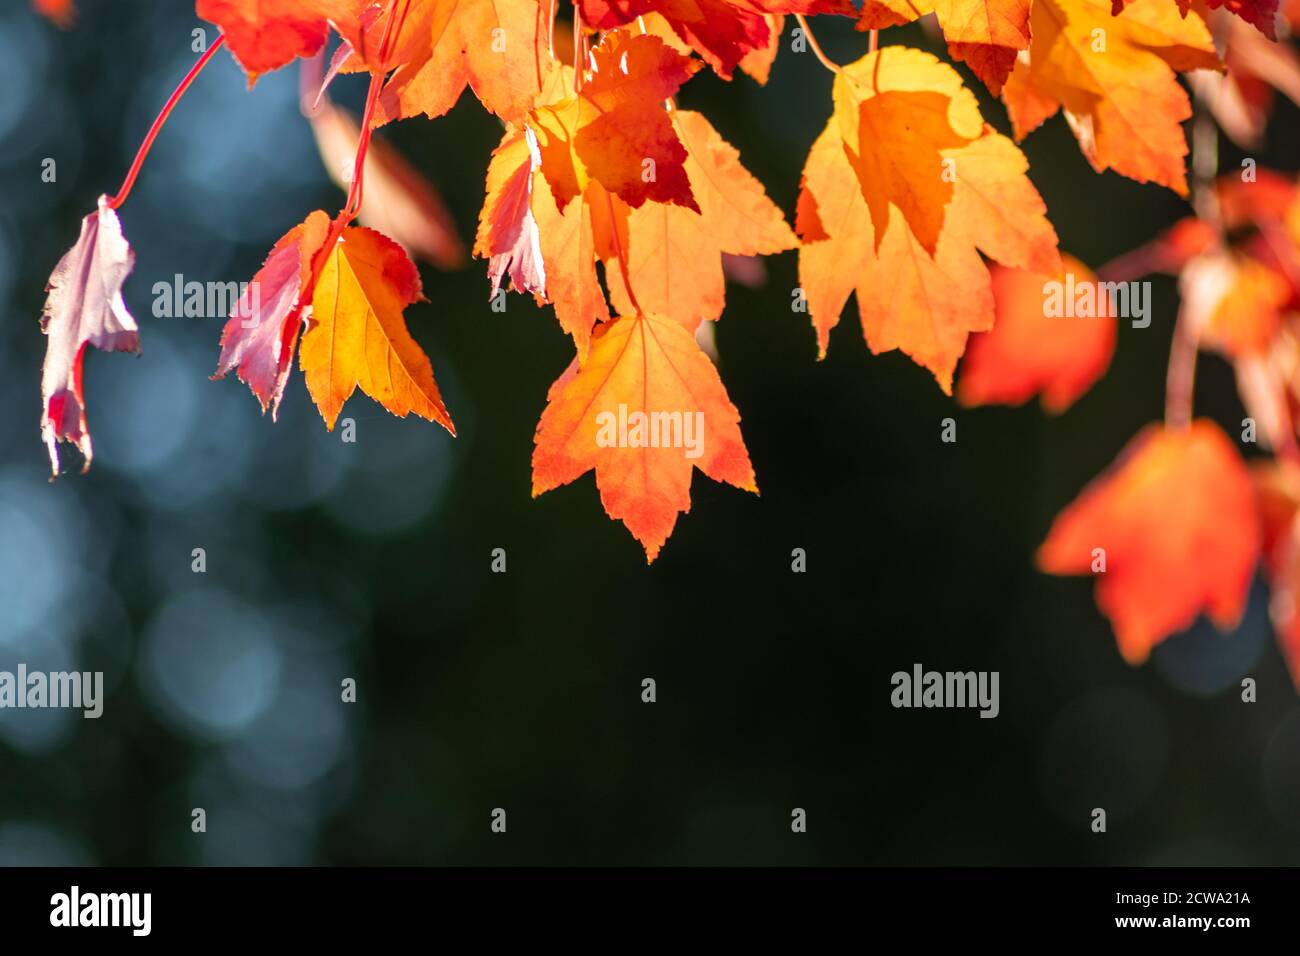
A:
(357, 337)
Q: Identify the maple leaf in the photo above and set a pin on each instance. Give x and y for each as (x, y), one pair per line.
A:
(84, 307)
(1176, 519)
(264, 35)
(545, 252)
(921, 286)
(496, 47)
(674, 255)
(1183, 241)
(616, 131)
(758, 62)
(570, 242)
(894, 140)
(607, 14)
(1243, 203)
(1115, 79)
(724, 32)
(986, 34)
(1258, 13)
(643, 372)
(357, 337)
(363, 25)
(507, 230)
(1030, 352)
(1248, 314)
(259, 339)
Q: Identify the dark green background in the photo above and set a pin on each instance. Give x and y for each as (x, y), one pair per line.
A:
(522, 690)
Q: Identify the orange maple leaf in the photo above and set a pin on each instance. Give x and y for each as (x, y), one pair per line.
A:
(1115, 79)
(545, 252)
(496, 47)
(674, 255)
(1030, 351)
(1248, 315)
(644, 410)
(1170, 531)
(571, 241)
(1266, 198)
(357, 337)
(986, 34)
(894, 140)
(264, 35)
(975, 196)
(616, 131)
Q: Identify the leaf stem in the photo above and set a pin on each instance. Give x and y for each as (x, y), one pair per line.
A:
(357, 188)
(550, 30)
(815, 46)
(355, 192)
(873, 41)
(579, 57)
(1180, 376)
(161, 119)
(622, 256)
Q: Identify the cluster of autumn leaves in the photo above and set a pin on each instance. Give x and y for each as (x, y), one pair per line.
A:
(1180, 523)
(606, 201)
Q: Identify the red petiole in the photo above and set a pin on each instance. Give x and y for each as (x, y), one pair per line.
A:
(161, 119)
(353, 206)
